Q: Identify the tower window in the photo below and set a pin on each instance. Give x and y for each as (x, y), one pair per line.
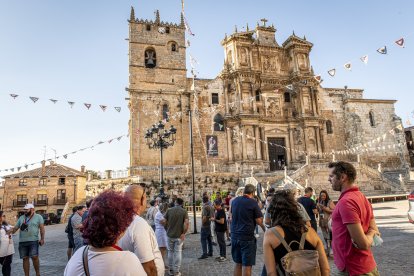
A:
(371, 119)
(218, 123)
(165, 111)
(167, 30)
(148, 26)
(174, 47)
(150, 58)
(287, 97)
(329, 127)
(214, 98)
(258, 93)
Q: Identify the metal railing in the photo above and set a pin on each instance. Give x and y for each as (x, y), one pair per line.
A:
(60, 201)
(41, 202)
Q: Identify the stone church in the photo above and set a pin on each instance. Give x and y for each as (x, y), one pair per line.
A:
(263, 112)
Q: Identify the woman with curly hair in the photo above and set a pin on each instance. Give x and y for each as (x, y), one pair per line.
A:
(325, 209)
(109, 216)
(287, 223)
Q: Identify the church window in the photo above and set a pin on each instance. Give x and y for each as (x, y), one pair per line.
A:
(167, 30)
(174, 47)
(214, 98)
(218, 123)
(329, 127)
(287, 97)
(150, 58)
(148, 26)
(258, 93)
(229, 87)
(371, 119)
(165, 111)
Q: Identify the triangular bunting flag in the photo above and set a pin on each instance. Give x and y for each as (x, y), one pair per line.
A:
(187, 27)
(348, 66)
(382, 50)
(87, 105)
(332, 72)
(400, 42)
(119, 138)
(103, 107)
(26, 166)
(71, 104)
(18, 169)
(110, 141)
(117, 108)
(289, 86)
(12, 169)
(53, 100)
(34, 99)
(14, 96)
(100, 142)
(65, 156)
(364, 59)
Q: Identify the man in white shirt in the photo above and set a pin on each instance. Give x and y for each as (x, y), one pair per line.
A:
(139, 237)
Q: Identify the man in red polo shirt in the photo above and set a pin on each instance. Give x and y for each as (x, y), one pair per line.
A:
(353, 224)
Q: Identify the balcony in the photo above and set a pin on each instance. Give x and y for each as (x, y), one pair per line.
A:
(41, 202)
(19, 203)
(60, 201)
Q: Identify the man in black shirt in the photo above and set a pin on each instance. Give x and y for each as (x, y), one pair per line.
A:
(220, 228)
(310, 206)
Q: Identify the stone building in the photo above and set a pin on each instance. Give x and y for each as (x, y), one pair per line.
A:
(50, 188)
(263, 112)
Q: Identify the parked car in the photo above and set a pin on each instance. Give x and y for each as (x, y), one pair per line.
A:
(411, 207)
(46, 219)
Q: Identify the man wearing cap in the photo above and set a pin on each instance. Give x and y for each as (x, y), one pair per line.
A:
(29, 224)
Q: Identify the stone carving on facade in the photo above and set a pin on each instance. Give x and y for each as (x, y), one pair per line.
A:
(273, 108)
(298, 135)
(235, 135)
(302, 61)
(268, 63)
(244, 56)
(251, 151)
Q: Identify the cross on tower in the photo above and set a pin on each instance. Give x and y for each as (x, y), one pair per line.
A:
(264, 20)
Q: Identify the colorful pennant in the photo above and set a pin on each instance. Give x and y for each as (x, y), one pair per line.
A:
(87, 105)
(34, 99)
(400, 42)
(364, 59)
(103, 107)
(382, 50)
(332, 72)
(348, 66)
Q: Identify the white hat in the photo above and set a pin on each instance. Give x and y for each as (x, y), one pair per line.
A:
(28, 206)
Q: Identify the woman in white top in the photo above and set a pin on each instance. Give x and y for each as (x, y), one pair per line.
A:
(160, 232)
(6, 246)
(109, 216)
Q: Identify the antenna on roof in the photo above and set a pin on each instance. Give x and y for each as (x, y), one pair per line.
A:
(55, 153)
(44, 152)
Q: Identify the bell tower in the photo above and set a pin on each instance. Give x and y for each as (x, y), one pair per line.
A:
(157, 79)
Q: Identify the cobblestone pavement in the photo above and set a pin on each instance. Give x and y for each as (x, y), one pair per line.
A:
(394, 258)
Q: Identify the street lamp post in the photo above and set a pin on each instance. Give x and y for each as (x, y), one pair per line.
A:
(158, 137)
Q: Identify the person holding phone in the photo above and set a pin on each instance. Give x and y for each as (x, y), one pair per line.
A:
(30, 224)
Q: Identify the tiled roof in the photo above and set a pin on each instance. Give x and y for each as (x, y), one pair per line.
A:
(50, 171)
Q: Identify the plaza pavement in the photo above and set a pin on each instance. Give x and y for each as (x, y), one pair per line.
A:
(394, 258)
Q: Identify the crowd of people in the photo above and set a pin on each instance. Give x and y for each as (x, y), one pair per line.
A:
(116, 234)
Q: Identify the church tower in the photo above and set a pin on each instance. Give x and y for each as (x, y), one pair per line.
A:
(157, 81)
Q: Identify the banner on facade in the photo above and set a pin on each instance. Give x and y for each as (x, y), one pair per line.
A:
(212, 147)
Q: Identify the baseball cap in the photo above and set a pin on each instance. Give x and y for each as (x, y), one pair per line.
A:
(28, 206)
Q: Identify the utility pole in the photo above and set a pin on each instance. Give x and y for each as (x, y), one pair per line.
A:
(192, 166)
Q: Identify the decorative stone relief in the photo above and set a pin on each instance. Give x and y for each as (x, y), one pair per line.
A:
(302, 61)
(268, 63)
(273, 107)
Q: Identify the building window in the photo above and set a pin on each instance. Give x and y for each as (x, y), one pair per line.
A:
(371, 119)
(218, 123)
(23, 182)
(258, 93)
(167, 30)
(174, 47)
(287, 97)
(148, 27)
(150, 58)
(229, 87)
(214, 98)
(165, 111)
(62, 181)
(329, 127)
(42, 181)
(61, 194)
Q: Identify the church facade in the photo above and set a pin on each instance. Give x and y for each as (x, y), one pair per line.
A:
(263, 112)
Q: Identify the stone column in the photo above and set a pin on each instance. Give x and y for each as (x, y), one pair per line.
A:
(291, 145)
(244, 148)
(258, 147)
(229, 145)
(226, 98)
(318, 138)
(240, 97)
(265, 154)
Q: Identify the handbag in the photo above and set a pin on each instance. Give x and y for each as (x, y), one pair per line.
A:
(85, 261)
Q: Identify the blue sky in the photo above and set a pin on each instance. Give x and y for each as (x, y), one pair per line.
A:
(76, 51)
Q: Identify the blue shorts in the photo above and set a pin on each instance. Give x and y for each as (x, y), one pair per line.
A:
(28, 249)
(244, 252)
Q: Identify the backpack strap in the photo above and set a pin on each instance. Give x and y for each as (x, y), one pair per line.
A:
(85, 261)
(303, 239)
(282, 240)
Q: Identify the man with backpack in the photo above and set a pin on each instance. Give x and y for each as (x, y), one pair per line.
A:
(353, 224)
(69, 231)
